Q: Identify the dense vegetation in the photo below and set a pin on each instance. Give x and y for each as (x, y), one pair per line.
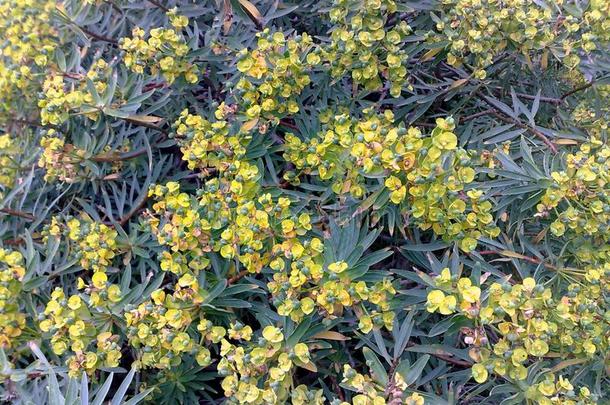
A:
(306, 202)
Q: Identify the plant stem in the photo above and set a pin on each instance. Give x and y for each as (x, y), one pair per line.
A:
(20, 214)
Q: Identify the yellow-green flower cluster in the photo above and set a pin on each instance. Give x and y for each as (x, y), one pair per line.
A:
(61, 97)
(28, 39)
(60, 160)
(594, 32)
(82, 325)
(252, 275)
(591, 114)
(296, 264)
(96, 242)
(347, 149)
(553, 390)
(371, 392)
(530, 321)
(273, 75)
(590, 252)
(302, 395)
(165, 52)
(9, 166)
(225, 218)
(63, 161)
(302, 283)
(258, 233)
(428, 174)
(361, 46)
(534, 327)
(159, 328)
(489, 158)
(579, 196)
(12, 320)
(206, 144)
(451, 293)
(485, 28)
(26, 27)
(377, 319)
(261, 372)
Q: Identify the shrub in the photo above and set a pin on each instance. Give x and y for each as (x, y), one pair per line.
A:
(337, 201)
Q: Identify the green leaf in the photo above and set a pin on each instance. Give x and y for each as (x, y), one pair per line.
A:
(378, 371)
(299, 332)
(214, 292)
(414, 372)
(119, 396)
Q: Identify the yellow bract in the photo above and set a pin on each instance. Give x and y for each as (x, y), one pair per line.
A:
(347, 149)
(165, 52)
(71, 323)
(437, 300)
(479, 31)
(479, 373)
(273, 334)
(337, 267)
(12, 320)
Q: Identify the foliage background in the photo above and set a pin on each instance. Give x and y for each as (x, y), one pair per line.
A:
(522, 110)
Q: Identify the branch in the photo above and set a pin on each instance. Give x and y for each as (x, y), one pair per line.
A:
(452, 360)
(336, 387)
(446, 357)
(118, 157)
(133, 211)
(477, 115)
(237, 277)
(13, 242)
(161, 6)
(146, 125)
(98, 36)
(496, 113)
(287, 124)
(533, 130)
(577, 89)
(16, 213)
(124, 219)
(543, 99)
(514, 255)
